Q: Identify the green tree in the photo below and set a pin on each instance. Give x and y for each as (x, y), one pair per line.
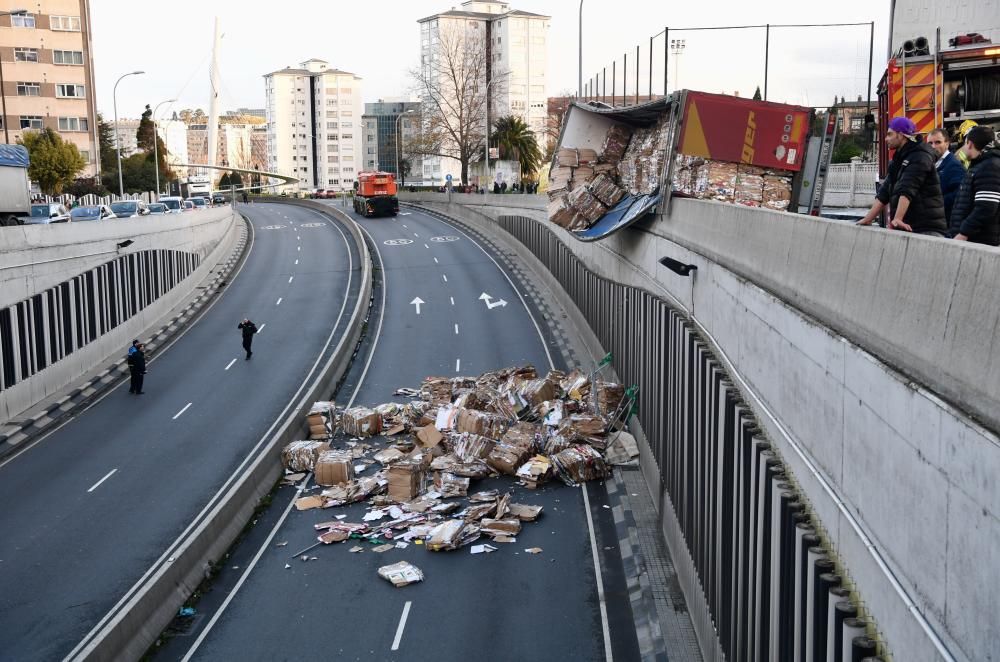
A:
(404, 169)
(85, 186)
(145, 133)
(236, 179)
(54, 162)
(138, 173)
(847, 147)
(517, 143)
(106, 142)
(224, 181)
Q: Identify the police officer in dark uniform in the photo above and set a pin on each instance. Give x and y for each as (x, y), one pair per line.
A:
(137, 369)
(249, 329)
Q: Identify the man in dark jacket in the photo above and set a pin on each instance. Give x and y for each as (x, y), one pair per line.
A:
(248, 328)
(951, 172)
(976, 216)
(911, 188)
(137, 368)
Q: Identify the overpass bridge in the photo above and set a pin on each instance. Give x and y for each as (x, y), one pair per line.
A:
(817, 415)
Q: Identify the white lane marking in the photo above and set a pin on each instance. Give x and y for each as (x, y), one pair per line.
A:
(600, 578)
(261, 327)
(456, 329)
(404, 225)
(436, 261)
(278, 303)
(445, 278)
(299, 248)
(416, 235)
(426, 246)
(230, 364)
(402, 624)
(296, 261)
(178, 414)
(98, 483)
(458, 364)
(417, 301)
(298, 238)
(452, 300)
(291, 278)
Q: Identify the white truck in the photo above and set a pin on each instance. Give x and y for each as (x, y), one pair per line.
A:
(15, 198)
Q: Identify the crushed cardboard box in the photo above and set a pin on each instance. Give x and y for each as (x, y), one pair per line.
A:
(401, 574)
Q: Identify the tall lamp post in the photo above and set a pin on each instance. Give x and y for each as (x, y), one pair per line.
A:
(488, 125)
(118, 139)
(3, 95)
(677, 49)
(399, 117)
(579, 47)
(156, 141)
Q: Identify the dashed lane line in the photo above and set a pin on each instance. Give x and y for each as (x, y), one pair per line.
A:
(178, 414)
(109, 475)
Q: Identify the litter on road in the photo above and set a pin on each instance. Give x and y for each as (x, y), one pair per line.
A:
(427, 454)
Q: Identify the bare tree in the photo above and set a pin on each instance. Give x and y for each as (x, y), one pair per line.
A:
(453, 86)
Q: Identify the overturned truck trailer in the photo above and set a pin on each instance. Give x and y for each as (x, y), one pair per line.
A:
(615, 166)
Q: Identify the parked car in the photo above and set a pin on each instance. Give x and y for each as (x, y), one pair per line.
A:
(174, 204)
(158, 208)
(91, 213)
(46, 212)
(199, 203)
(129, 208)
(219, 199)
(187, 205)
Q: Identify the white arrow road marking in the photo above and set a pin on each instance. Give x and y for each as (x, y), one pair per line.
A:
(490, 305)
(98, 483)
(230, 364)
(417, 301)
(402, 624)
(178, 414)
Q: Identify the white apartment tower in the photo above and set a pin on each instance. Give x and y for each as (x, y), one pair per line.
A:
(518, 60)
(314, 125)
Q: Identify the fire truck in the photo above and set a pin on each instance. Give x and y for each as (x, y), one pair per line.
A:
(942, 70)
(375, 194)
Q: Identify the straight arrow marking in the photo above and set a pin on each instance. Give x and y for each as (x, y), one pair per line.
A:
(417, 301)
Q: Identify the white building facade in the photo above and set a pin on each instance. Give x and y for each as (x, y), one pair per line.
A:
(516, 43)
(173, 133)
(315, 126)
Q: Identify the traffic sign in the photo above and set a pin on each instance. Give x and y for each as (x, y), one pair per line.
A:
(447, 178)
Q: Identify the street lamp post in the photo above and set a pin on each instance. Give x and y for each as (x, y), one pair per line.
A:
(399, 117)
(3, 96)
(579, 47)
(677, 49)
(118, 139)
(488, 125)
(156, 151)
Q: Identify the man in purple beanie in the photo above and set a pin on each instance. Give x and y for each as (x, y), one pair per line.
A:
(911, 188)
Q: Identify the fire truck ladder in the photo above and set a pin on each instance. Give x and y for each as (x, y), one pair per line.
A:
(832, 121)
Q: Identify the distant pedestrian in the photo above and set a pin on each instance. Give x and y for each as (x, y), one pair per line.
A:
(246, 198)
(496, 187)
(249, 329)
(503, 187)
(976, 216)
(131, 350)
(137, 368)
(950, 171)
(911, 187)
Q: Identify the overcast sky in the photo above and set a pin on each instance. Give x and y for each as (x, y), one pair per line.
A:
(380, 43)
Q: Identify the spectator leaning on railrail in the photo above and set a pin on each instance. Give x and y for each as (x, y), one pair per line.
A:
(911, 187)
(976, 216)
(951, 172)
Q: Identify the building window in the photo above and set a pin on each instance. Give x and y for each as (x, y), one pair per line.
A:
(85, 154)
(345, 113)
(347, 125)
(68, 90)
(348, 158)
(31, 122)
(67, 57)
(333, 159)
(23, 21)
(371, 150)
(333, 181)
(331, 113)
(333, 148)
(64, 23)
(72, 123)
(26, 55)
(347, 136)
(29, 89)
(348, 169)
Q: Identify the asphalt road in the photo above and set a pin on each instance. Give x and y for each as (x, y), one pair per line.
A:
(90, 508)
(500, 606)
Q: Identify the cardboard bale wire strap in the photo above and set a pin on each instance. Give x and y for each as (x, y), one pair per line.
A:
(302, 455)
(361, 422)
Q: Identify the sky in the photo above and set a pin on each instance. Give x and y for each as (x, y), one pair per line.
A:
(173, 45)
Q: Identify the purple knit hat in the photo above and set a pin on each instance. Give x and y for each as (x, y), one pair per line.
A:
(903, 125)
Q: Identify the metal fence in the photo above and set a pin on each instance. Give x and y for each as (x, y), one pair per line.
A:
(771, 587)
(850, 184)
(91, 199)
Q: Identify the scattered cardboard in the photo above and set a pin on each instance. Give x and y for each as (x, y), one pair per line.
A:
(401, 574)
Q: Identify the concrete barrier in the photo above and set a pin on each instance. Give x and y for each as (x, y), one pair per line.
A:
(138, 621)
(34, 258)
(818, 322)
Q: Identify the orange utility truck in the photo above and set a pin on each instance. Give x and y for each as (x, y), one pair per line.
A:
(375, 194)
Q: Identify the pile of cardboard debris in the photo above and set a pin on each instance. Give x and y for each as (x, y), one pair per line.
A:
(425, 454)
(738, 183)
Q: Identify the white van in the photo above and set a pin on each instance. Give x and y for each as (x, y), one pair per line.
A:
(174, 204)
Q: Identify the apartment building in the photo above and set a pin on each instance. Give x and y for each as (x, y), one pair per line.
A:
(126, 133)
(234, 147)
(516, 43)
(388, 125)
(48, 74)
(314, 125)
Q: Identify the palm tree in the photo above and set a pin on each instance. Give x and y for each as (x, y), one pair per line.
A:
(516, 142)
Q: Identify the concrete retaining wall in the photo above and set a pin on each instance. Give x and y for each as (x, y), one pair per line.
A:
(35, 258)
(813, 318)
